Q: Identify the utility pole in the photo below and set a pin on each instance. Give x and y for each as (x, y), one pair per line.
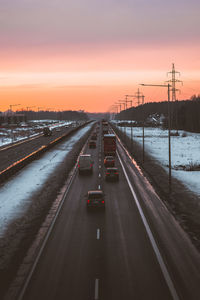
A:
(11, 119)
(119, 106)
(123, 102)
(168, 86)
(173, 82)
(138, 95)
(126, 100)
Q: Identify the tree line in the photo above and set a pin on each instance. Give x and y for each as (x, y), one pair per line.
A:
(185, 114)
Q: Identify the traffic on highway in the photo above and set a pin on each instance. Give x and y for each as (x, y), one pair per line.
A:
(112, 237)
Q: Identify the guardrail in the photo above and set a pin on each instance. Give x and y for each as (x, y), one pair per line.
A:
(18, 165)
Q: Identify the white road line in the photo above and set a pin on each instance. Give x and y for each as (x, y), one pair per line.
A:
(99, 175)
(99, 159)
(98, 234)
(151, 238)
(99, 187)
(96, 289)
(99, 166)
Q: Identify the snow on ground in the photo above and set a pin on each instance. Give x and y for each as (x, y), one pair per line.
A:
(33, 128)
(185, 152)
(15, 194)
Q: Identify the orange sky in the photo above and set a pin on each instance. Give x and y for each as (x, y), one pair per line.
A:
(73, 55)
(93, 80)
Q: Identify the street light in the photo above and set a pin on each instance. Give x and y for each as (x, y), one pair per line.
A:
(169, 125)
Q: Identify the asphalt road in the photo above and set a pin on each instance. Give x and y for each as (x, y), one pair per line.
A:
(11, 154)
(101, 255)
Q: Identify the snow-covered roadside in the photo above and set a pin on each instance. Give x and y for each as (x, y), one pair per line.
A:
(8, 136)
(185, 152)
(15, 195)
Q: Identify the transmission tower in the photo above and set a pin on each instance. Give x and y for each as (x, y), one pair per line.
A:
(173, 82)
(138, 95)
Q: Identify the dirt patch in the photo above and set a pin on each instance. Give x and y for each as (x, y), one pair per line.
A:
(183, 204)
(22, 232)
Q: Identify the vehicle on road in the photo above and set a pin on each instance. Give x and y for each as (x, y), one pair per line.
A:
(105, 128)
(95, 199)
(92, 144)
(94, 137)
(112, 174)
(47, 131)
(85, 164)
(109, 161)
(109, 144)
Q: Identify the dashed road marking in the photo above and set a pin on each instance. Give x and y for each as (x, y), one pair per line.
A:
(99, 187)
(99, 175)
(96, 289)
(98, 234)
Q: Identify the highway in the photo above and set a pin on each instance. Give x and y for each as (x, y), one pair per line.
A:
(14, 152)
(117, 254)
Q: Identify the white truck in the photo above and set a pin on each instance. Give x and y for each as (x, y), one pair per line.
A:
(85, 164)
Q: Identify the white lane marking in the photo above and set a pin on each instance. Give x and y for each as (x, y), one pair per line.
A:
(98, 234)
(99, 166)
(99, 159)
(99, 187)
(96, 289)
(99, 175)
(151, 238)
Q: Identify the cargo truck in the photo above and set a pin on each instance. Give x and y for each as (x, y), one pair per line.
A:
(109, 143)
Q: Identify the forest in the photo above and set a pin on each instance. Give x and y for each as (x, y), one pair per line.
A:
(185, 114)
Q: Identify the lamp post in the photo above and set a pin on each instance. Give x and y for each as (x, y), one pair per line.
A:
(169, 125)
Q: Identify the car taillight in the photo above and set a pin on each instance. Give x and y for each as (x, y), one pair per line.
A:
(88, 201)
(102, 201)
(107, 173)
(78, 166)
(116, 173)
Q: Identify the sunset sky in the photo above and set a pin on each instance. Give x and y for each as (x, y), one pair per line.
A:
(87, 54)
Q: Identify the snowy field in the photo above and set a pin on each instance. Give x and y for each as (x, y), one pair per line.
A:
(185, 153)
(15, 194)
(33, 128)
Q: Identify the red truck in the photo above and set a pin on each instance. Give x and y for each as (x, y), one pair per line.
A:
(109, 142)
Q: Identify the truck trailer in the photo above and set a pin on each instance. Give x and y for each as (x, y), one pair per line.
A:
(109, 143)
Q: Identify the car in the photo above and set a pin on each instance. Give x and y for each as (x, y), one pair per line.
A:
(85, 164)
(92, 144)
(47, 131)
(94, 137)
(58, 129)
(112, 174)
(109, 161)
(95, 199)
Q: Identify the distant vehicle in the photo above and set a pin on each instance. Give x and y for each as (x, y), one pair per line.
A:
(47, 131)
(94, 137)
(109, 161)
(112, 174)
(85, 164)
(109, 144)
(92, 144)
(95, 199)
(105, 127)
(58, 129)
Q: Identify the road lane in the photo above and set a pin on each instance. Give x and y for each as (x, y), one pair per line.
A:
(98, 255)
